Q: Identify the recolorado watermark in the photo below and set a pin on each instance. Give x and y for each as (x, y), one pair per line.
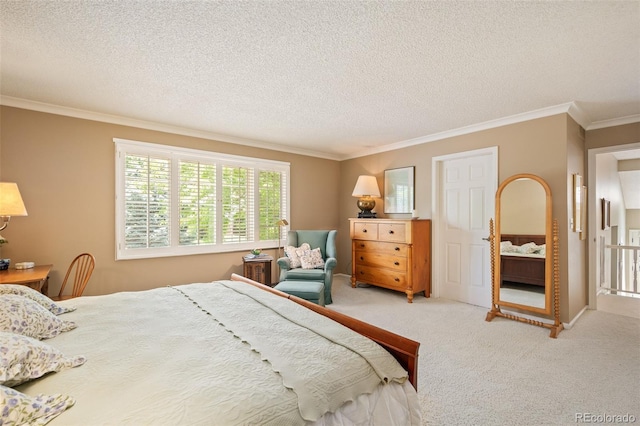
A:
(604, 418)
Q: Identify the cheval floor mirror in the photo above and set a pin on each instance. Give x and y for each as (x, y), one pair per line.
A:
(524, 253)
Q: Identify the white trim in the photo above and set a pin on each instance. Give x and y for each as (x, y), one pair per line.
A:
(592, 246)
(613, 122)
(569, 108)
(436, 200)
(175, 154)
(151, 125)
(168, 149)
(567, 326)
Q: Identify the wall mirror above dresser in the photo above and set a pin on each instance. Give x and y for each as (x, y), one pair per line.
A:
(524, 252)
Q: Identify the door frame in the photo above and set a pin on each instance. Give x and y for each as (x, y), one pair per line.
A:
(436, 202)
(593, 251)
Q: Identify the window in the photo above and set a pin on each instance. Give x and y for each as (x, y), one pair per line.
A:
(173, 201)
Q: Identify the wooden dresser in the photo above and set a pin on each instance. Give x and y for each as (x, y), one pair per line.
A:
(392, 253)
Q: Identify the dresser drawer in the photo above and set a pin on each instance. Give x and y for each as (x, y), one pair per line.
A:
(392, 253)
(365, 230)
(392, 232)
(384, 277)
(382, 260)
(390, 249)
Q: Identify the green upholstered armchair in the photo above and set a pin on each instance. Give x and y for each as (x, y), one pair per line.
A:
(326, 241)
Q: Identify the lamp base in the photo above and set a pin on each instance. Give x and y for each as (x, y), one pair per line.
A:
(367, 215)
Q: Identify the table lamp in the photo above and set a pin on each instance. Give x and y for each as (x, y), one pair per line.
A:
(11, 203)
(366, 188)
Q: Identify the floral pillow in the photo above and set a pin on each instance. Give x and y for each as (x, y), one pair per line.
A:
(23, 358)
(23, 290)
(21, 409)
(294, 257)
(312, 259)
(27, 317)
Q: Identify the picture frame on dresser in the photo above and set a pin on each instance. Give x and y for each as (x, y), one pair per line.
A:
(399, 193)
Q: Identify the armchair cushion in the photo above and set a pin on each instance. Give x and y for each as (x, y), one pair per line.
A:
(299, 274)
(322, 241)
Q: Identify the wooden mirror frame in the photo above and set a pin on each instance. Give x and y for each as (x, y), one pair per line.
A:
(551, 264)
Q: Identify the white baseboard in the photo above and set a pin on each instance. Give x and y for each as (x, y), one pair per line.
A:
(570, 324)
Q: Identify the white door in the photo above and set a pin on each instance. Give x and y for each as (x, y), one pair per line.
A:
(465, 203)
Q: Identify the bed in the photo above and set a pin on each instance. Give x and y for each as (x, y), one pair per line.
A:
(522, 260)
(227, 352)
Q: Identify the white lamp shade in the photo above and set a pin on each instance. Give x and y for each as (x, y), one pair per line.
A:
(11, 203)
(366, 186)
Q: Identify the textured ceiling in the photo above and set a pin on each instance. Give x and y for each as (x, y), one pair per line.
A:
(332, 78)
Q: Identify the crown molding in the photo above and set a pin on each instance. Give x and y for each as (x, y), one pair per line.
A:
(614, 122)
(150, 125)
(568, 108)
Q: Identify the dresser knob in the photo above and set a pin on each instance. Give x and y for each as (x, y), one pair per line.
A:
(396, 279)
(396, 263)
(361, 258)
(391, 232)
(397, 248)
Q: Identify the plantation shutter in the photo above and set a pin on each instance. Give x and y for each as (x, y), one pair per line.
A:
(237, 204)
(272, 204)
(147, 190)
(173, 201)
(197, 201)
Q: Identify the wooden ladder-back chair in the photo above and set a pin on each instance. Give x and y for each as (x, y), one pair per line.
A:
(81, 267)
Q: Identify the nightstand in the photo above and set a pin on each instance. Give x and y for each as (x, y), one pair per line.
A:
(258, 268)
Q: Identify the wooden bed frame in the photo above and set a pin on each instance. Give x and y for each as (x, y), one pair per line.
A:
(403, 349)
(518, 269)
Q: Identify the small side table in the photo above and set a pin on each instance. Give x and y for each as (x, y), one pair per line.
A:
(258, 268)
(37, 277)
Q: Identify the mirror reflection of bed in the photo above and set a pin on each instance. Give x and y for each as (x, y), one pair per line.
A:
(522, 243)
(524, 249)
(522, 269)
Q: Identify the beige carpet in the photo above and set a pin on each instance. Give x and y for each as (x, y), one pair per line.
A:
(473, 372)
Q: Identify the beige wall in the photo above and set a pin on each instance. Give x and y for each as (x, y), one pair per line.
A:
(65, 169)
(613, 136)
(573, 271)
(538, 147)
(66, 173)
(523, 208)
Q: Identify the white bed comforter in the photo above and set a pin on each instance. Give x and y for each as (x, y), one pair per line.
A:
(215, 353)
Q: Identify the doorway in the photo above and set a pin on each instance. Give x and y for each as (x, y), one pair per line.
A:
(464, 187)
(609, 246)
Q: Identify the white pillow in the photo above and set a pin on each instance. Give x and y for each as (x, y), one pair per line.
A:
(21, 409)
(23, 290)
(528, 248)
(27, 317)
(294, 257)
(312, 259)
(504, 245)
(23, 358)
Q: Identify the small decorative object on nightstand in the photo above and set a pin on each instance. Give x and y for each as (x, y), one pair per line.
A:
(257, 268)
